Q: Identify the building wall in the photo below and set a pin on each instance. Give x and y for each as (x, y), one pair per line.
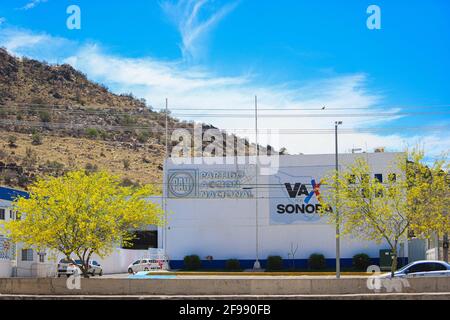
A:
(226, 228)
(6, 254)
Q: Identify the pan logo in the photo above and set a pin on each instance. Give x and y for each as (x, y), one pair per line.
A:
(182, 183)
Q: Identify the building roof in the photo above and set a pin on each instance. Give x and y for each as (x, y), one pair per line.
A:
(9, 194)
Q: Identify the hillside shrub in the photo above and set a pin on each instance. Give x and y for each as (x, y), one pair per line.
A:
(92, 133)
(36, 139)
(45, 116)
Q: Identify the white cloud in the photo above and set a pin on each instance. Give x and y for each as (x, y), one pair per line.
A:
(2, 20)
(38, 45)
(197, 88)
(194, 20)
(32, 4)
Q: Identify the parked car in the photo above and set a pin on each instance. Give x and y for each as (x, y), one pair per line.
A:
(424, 268)
(147, 265)
(68, 268)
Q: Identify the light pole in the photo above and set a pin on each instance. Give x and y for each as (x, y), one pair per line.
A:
(338, 231)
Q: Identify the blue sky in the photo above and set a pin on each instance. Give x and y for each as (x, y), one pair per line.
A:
(291, 53)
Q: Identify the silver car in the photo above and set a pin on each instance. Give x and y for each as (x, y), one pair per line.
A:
(424, 268)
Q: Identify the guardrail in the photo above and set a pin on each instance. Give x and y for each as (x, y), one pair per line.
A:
(213, 286)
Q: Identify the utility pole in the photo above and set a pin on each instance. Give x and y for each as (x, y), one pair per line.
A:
(165, 186)
(338, 231)
(257, 264)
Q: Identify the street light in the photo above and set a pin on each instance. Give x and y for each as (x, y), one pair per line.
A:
(338, 231)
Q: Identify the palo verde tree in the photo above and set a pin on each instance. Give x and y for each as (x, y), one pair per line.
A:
(375, 210)
(81, 214)
(428, 196)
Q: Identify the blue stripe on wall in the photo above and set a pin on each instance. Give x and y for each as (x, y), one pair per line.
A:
(287, 264)
(9, 194)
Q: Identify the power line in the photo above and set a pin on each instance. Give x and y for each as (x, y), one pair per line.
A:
(153, 129)
(203, 108)
(311, 115)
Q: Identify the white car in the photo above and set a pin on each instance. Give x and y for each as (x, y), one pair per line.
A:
(424, 268)
(147, 265)
(68, 268)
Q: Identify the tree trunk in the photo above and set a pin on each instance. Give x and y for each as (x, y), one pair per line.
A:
(394, 260)
(85, 270)
(445, 247)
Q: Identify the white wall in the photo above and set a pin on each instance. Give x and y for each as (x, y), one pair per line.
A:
(119, 260)
(5, 268)
(225, 228)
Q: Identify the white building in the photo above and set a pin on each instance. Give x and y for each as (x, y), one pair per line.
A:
(225, 211)
(9, 260)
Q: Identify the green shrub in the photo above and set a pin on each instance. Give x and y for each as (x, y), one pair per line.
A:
(316, 261)
(104, 135)
(55, 168)
(274, 263)
(127, 120)
(361, 261)
(143, 137)
(90, 168)
(192, 262)
(45, 116)
(126, 164)
(233, 265)
(36, 139)
(92, 133)
(12, 141)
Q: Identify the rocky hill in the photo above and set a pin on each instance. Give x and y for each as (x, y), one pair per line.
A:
(53, 119)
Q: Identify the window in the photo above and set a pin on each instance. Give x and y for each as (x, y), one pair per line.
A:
(27, 254)
(417, 268)
(136, 262)
(143, 240)
(42, 257)
(2, 214)
(379, 177)
(11, 214)
(438, 267)
(427, 267)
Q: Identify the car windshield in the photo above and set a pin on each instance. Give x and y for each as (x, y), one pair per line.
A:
(405, 267)
(78, 262)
